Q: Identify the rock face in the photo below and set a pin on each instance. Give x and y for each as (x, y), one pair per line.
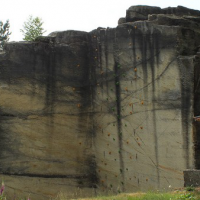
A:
(100, 112)
(135, 13)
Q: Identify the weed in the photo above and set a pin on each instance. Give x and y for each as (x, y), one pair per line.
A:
(186, 196)
(190, 188)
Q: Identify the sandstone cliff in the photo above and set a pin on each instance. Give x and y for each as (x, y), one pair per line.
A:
(106, 111)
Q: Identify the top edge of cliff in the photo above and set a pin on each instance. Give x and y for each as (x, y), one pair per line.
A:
(141, 12)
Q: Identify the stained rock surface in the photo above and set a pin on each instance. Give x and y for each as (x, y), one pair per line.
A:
(102, 112)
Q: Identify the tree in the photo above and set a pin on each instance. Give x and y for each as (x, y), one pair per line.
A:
(4, 33)
(32, 28)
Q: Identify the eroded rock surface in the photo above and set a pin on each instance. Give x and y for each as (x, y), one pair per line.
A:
(136, 13)
(100, 112)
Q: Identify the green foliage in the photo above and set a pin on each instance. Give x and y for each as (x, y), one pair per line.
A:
(186, 196)
(32, 28)
(190, 188)
(4, 33)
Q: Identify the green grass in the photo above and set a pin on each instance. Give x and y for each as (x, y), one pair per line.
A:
(187, 194)
(164, 196)
(155, 196)
(147, 196)
(183, 194)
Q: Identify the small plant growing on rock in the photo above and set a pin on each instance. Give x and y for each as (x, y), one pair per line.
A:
(2, 197)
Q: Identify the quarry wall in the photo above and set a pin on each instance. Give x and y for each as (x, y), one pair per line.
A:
(107, 111)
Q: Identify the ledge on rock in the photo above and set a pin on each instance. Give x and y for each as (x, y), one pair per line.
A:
(121, 20)
(135, 13)
(180, 11)
(69, 36)
(174, 20)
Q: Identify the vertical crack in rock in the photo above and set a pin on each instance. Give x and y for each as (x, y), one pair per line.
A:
(87, 92)
(184, 64)
(142, 37)
(152, 38)
(196, 124)
(147, 45)
(90, 65)
(90, 76)
(118, 104)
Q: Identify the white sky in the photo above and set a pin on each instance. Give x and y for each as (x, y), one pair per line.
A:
(84, 15)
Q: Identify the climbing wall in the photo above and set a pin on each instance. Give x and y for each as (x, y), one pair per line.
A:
(142, 108)
(108, 111)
